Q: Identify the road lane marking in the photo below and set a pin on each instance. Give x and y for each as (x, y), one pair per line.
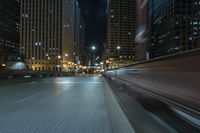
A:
(27, 98)
(17, 85)
(5, 87)
(64, 82)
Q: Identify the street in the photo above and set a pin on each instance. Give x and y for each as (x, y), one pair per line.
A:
(60, 105)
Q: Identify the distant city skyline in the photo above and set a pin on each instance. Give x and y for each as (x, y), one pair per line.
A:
(54, 35)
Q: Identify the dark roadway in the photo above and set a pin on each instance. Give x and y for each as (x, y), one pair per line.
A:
(60, 105)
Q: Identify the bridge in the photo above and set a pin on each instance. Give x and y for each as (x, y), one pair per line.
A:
(155, 96)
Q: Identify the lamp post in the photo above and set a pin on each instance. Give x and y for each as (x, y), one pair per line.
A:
(93, 48)
(118, 49)
(58, 63)
(64, 62)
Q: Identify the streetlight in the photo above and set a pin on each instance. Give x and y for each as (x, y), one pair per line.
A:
(93, 48)
(59, 57)
(118, 47)
(66, 55)
(58, 63)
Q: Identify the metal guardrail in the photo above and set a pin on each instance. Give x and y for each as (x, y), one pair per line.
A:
(164, 98)
(183, 68)
(157, 103)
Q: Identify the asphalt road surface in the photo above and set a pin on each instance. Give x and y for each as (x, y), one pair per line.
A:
(60, 105)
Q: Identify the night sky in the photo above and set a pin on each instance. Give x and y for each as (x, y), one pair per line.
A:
(94, 12)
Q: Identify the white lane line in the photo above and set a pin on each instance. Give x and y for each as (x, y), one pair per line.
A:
(27, 98)
(65, 82)
(5, 87)
(17, 85)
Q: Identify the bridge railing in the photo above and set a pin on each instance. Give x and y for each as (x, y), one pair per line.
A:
(175, 77)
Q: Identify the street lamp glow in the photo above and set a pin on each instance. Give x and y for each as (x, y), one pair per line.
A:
(66, 55)
(59, 57)
(93, 48)
(118, 47)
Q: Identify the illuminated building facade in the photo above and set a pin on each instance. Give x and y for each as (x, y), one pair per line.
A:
(9, 31)
(79, 37)
(48, 34)
(82, 45)
(174, 26)
(121, 30)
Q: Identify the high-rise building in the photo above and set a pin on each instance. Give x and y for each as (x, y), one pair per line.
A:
(173, 27)
(48, 34)
(9, 32)
(104, 56)
(121, 31)
(79, 35)
(82, 30)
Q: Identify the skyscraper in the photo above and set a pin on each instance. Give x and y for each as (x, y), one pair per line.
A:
(82, 45)
(173, 27)
(9, 31)
(121, 31)
(48, 33)
(77, 33)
